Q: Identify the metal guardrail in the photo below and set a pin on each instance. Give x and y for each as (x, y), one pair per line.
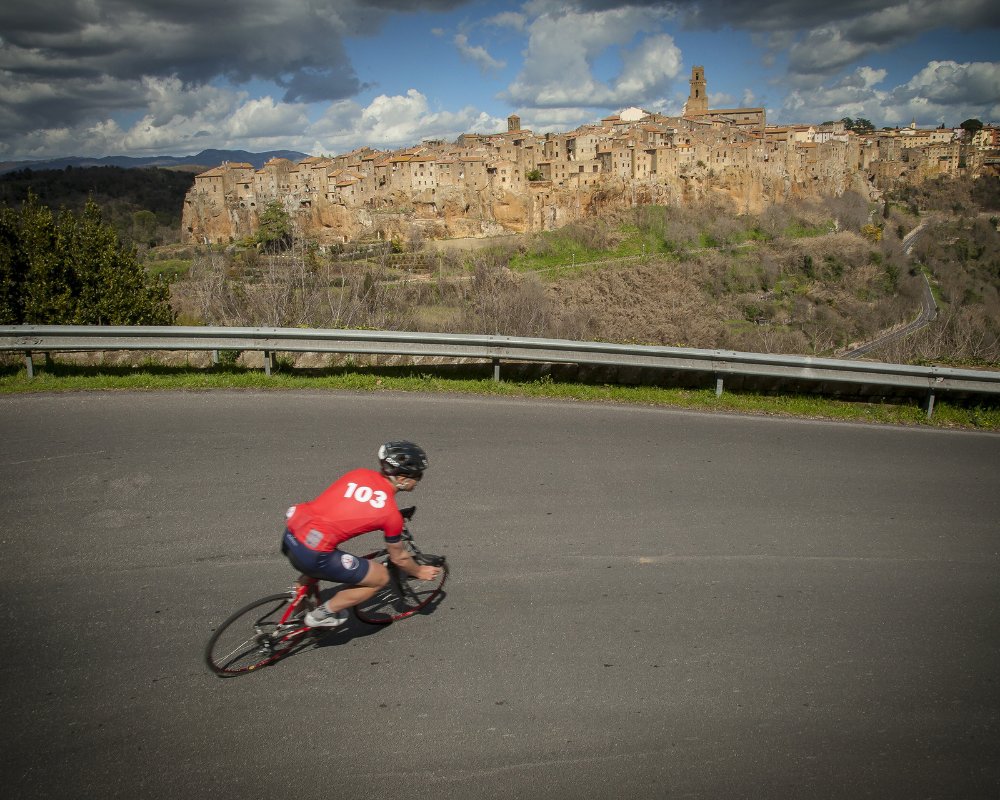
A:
(720, 364)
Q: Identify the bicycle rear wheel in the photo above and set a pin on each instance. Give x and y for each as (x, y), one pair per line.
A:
(252, 637)
(403, 596)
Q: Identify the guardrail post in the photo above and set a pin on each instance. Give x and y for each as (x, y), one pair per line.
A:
(29, 365)
(215, 358)
(268, 356)
(718, 385)
(930, 403)
(496, 370)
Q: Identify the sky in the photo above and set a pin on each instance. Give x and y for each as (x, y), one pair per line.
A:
(323, 77)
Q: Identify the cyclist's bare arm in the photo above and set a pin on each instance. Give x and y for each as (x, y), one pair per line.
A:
(402, 559)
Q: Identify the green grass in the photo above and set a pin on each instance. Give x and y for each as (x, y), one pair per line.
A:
(559, 250)
(477, 380)
(170, 268)
(800, 230)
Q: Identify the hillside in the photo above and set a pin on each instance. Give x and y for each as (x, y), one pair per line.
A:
(810, 278)
(196, 163)
(143, 205)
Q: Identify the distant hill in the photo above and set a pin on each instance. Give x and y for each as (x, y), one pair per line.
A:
(206, 159)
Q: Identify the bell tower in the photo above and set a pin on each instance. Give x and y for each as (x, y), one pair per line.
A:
(697, 102)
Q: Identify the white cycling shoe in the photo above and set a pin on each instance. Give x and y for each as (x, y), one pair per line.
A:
(321, 618)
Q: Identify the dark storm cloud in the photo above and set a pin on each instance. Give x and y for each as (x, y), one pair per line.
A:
(788, 15)
(310, 85)
(62, 60)
(824, 37)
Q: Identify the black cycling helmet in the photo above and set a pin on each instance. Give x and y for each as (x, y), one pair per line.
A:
(402, 458)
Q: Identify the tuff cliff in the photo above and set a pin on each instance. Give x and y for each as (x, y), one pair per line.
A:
(515, 181)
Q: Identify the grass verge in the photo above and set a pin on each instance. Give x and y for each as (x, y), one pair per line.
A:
(58, 377)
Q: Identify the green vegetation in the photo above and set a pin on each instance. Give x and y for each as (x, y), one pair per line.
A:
(151, 377)
(971, 127)
(577, 243)
(275, 230)
(170, 269)
(810, 278)
(142, 205)
(68, 269)
(859, 125)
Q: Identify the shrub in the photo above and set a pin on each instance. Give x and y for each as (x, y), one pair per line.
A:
(68, 269)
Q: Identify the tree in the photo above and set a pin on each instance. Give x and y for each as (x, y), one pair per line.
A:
(275, 227)
(859, 125)
(144, 228)
(12, 269)
(68, 269)
(971, 127)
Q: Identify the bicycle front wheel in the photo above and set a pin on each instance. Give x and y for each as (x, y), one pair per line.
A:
(252, 637)
(403, 596)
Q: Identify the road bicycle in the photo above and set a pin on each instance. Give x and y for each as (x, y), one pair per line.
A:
(272, 627)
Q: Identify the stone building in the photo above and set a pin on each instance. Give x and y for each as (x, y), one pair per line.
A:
(481, 185)
(696, 107)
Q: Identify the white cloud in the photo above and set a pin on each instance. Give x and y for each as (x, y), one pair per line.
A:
(563, 44)
(942, 92)
(648, 68)
(977, 83)
(180, 116)
(508, 19)
(477, 55)
(555, 120)
(870, 76)
(395, 121)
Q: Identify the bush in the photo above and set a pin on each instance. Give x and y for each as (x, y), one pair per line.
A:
(70, 269)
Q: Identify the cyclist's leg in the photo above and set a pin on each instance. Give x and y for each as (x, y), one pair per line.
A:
(376, 578)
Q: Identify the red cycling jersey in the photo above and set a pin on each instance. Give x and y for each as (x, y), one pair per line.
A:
(363, 500)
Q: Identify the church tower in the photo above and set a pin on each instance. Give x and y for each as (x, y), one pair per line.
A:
(697, 102)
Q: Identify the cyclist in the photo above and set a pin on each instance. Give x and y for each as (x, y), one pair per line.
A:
(363, 500)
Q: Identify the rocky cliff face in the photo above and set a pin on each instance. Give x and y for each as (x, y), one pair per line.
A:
(224, 204)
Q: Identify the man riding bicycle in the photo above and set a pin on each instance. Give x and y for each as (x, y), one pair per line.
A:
(361, 501)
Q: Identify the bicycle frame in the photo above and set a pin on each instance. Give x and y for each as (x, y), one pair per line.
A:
(267, 629)
(308, 588)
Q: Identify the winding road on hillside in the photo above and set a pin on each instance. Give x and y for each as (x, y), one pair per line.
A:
(645, 603)
(928, 306)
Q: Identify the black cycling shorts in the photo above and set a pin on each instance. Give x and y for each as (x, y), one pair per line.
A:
(334, 565)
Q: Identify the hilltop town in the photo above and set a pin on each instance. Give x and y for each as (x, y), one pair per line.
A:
(517, 181)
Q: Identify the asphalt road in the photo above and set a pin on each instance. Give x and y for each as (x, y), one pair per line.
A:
(644, 603)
